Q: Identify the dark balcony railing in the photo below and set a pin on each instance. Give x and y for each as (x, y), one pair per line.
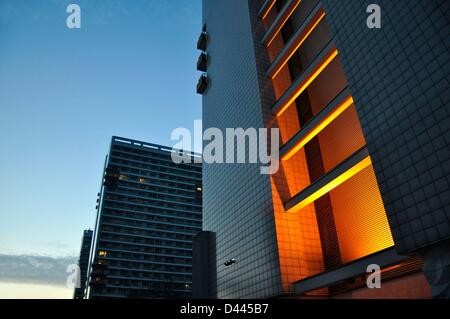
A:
(202, 62)
(202, 84)
(202, 41)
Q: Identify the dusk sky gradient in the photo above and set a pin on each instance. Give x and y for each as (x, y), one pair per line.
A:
(129, 71)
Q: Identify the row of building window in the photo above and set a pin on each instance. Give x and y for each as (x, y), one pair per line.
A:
(144, 233)
(156, 216)
(155, 196)
(156, 186)
(162, 157)
(145, 170)
(167, 166)
(107, 243)
(157, 228)
(118, 201)
(146, 269)
(136, 239)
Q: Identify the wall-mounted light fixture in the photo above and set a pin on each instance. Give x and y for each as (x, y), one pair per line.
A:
(230, 262)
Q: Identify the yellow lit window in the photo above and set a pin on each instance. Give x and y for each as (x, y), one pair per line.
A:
(102, 253)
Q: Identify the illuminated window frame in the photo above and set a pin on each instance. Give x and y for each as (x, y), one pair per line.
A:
(332, 184)
(265, 9)
(280, 21)
(295, 43)
(318, 128)
(300, 85)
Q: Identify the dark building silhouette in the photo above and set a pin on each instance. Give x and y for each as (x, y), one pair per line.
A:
(204, 265)
(149, 210)
(364, 123)
(83, 263)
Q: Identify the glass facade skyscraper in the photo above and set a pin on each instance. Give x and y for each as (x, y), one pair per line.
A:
(363, 176)
(149, 208)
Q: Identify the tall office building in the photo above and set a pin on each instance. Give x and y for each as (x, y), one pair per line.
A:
(83, 263)
(149, 210)
(363, 115)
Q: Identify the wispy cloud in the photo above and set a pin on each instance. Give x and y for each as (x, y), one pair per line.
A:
(34, 269)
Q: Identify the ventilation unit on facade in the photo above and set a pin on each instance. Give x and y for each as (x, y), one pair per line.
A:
(202, 62)
(202, 84)
(202, 41)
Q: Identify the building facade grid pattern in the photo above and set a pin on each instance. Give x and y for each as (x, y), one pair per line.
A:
(399, 76)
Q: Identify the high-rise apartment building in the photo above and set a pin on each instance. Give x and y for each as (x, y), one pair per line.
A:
(149, 210)
(364, 174)
(83, 263)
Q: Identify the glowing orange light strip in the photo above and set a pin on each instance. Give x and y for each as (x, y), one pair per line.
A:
(331, 185)
(311, 78)
(288, 15)
(297, 46)
(319, 128)
(268, 9)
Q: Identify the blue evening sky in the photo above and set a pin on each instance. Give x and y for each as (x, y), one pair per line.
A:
(129, 71)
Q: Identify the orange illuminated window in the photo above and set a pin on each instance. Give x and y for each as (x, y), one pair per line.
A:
(331, 185)
(268, 9)
(354, 202)
(283, 19)
(296, 45)
(360, 218)
(303, 86)
(322, 125)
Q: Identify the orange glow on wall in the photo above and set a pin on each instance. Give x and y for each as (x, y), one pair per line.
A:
(341, 138)
(328, 59)
(360, 218)
(297, 235)
(283, 21)
(296, 45)
(267, 10)
(319, 128)
(355, 201)
(288, 124)
(331, 185)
